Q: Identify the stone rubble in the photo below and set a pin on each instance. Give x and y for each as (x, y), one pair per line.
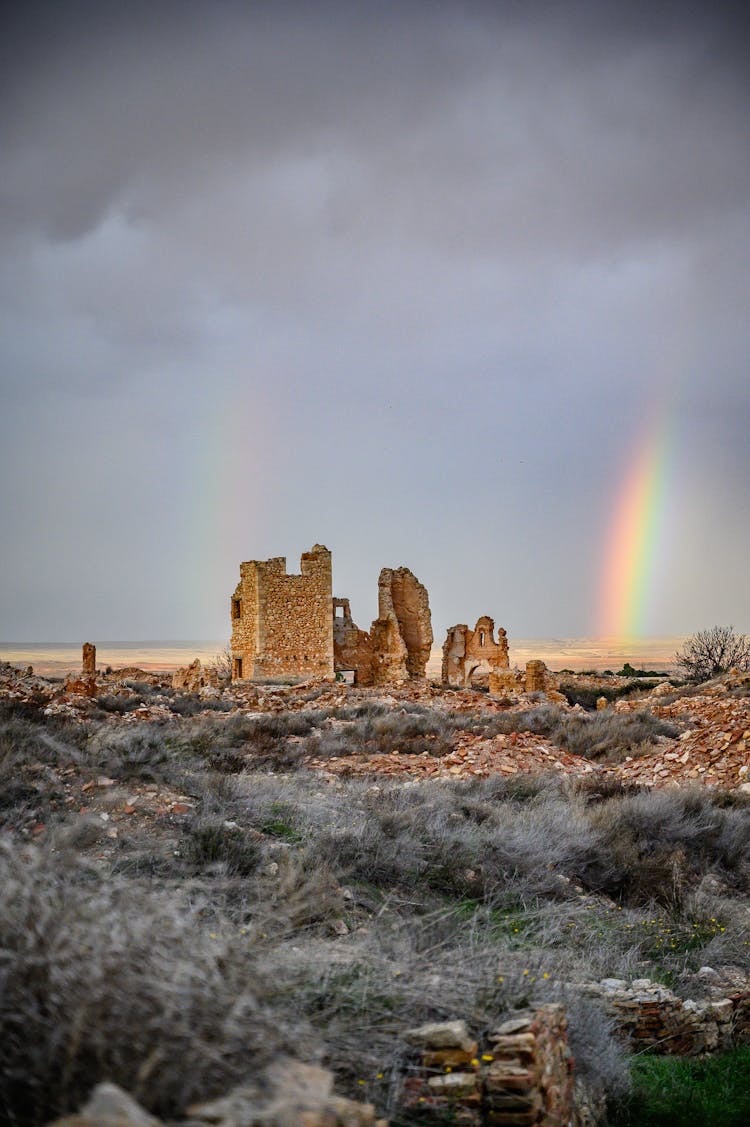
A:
(650, 1016)
(294, 1095)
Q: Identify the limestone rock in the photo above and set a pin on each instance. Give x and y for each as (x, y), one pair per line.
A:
(88, 660)
(440, 1035)
(109, 1106)
(295, 1095)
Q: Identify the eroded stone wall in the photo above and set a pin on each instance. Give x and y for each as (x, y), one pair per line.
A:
(650, 1016)
(397, 647)
(522, 1076)
(282, 624)
(88, 659)
(470, 656)
(403, 597)
(352, 647)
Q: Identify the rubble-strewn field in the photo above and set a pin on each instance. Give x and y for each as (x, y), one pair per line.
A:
(200, 885)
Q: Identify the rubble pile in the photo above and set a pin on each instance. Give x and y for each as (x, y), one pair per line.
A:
(651, 1017)
(474, 757)
(714, 748)
(293, 1093)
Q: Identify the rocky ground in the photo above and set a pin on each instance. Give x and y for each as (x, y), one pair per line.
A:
(710, 744)
(332, 866)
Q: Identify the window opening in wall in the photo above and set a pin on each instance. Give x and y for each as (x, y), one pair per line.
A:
(238, 667)
(236, 608)
(481, 637)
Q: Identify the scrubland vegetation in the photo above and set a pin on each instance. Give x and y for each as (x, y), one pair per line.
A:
(261, 908)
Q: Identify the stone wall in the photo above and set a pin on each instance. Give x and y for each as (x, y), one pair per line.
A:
(282, 624)
(403, 599)
(650, 1016)
(521, 1077)
(469, 655)
(397, 648)
(191, 678)
(536, 679)
(352, 648)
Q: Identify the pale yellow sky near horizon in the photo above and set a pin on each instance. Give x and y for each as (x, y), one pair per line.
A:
(557, 653)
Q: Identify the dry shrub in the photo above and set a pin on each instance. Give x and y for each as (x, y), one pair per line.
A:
(108, 980)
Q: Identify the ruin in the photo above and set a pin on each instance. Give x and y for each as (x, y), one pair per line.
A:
(282, 624)
(536, 679)
(291, 625)
(470, 656)
(397, 647)
(88, 659)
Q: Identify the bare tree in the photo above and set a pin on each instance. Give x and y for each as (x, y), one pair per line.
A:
(221, 663)
(711, 652)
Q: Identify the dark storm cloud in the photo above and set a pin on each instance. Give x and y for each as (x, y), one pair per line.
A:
(464, 245)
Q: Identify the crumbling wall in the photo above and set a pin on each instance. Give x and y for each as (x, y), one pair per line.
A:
(88, 659)
(536, 679)
(403, 597)
(652, 1017)
(352, 647)
(472, 655)
(522, 1076)
(282, 624)
(397, 648)
(191, 678)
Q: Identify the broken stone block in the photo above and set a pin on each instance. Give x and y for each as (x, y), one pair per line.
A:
(440, 1035)
(454, 1085)
(109, 1106)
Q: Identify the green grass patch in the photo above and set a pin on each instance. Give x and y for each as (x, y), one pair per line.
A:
(684, 1092)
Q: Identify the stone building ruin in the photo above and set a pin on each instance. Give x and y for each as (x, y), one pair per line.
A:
(291, 625)
(397, 647)
(470, 656)
(282, 624)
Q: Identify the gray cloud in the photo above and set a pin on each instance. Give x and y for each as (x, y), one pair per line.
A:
(403, 278)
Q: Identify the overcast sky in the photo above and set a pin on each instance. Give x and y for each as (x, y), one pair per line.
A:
(409, 280)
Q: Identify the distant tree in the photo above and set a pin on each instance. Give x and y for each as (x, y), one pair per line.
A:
(711, 652)
(222, 663)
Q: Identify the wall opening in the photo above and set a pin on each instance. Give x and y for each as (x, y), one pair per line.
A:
(481, 637)
(237, 668)
(236, 608)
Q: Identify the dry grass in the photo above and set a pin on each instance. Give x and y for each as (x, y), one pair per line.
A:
(186, 952)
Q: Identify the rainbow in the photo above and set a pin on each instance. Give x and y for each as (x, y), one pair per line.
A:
(634, 541)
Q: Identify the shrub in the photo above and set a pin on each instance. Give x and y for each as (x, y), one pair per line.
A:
(211, 842)
(104, 980)
(607, 735)
(712, 652)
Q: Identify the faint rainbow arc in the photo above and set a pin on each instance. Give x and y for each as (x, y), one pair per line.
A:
(634, 538)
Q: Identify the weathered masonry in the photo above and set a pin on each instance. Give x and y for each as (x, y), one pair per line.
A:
(291, 626)
(282, 625)
(397, 647)
(470, 656)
